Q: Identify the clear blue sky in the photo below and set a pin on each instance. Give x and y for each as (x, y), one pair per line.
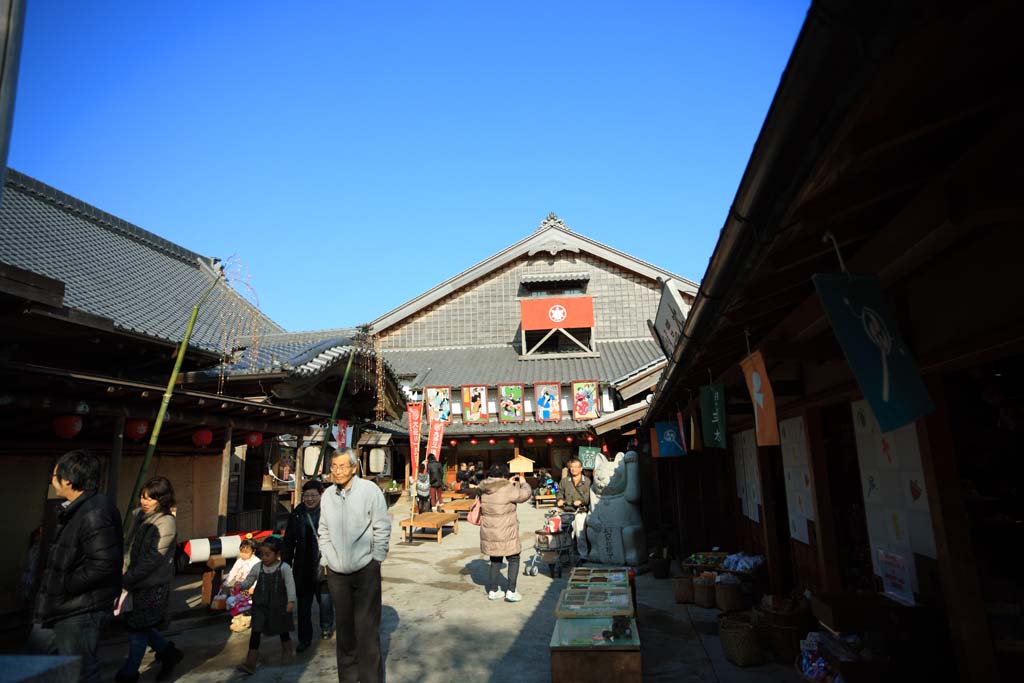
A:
(355, 154)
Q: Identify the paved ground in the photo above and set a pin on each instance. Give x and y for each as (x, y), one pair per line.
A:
(439, 627)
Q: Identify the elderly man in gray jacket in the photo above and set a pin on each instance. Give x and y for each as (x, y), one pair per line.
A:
(354, 535)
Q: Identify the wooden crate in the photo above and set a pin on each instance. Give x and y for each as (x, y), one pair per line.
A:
(580, 655)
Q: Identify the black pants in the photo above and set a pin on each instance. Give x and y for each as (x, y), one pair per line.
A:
(357, 607)
(254, 639)
(307, 593)
(513, 572)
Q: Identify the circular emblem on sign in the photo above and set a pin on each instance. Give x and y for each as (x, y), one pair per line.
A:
(557, 313)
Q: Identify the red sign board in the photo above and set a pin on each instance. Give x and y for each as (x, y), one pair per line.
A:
(414, 435)
(435, 437)
(563, 312)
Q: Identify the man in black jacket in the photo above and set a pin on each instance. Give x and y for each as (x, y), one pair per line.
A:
(301, 550)
(83, 568)
(435, 470)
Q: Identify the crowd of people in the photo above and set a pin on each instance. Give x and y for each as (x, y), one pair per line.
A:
(331, 553)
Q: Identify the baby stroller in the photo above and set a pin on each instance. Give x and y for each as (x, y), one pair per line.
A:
(553, 545)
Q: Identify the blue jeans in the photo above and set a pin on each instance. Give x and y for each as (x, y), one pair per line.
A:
(137, 642)
(79, 636)
(306, 595)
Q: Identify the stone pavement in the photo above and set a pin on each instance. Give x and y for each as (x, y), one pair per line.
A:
(439, 627)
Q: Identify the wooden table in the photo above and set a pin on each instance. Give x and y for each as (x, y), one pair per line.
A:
(459, 507)
(453, 495)
(578, 650)
(429, 520)
(544, 500)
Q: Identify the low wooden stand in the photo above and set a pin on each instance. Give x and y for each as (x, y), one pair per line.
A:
(459, 507)
(453, 495)
(544, 500)
(429, 520)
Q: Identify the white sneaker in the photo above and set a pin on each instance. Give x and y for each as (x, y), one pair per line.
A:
(512, 596)
(495, 595)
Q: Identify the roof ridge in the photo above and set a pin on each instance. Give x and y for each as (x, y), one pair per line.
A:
(66, 202)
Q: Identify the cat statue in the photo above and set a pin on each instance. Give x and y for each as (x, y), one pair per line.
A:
(615, 527)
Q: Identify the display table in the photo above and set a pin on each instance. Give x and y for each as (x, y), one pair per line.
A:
(459, 507)
(591, 577)
(544, 500)
(594, 602)
(453, 495)
(429, 520)
(581, 654)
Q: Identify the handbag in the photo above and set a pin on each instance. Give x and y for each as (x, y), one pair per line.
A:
(474, 514)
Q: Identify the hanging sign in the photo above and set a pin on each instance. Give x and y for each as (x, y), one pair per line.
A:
(680, 421)
(760, 389)
(342, 434)
(560, 312)
(588, 456)
(895, 577)
(435, 437)
(670, 318)
(874, 348)
(712, 413)
(414, 411)
(667, 441)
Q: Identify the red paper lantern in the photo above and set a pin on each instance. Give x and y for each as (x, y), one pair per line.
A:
(201, 438)
(511, 440)
(529, 439)
(67, 426)
(254, 439)
(491, 441)
(550, 440)
(589, 438)
(136, 429)
(473, 441)
(568, 439)
(453, 442)
(604, 448)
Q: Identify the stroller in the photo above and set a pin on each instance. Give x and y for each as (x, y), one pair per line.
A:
(553, 545)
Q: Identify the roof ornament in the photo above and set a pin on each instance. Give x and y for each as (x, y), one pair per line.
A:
(552, 221)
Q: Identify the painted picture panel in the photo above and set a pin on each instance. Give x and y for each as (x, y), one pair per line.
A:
(474, 404)
(547, 401)
(439, 404)
(510, 403)
(584, 400)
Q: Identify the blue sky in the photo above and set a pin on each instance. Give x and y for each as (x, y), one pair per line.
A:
(353, 155)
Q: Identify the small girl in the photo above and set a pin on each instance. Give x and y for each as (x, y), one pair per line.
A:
(237, 602)
(273, 602)
(423, 489)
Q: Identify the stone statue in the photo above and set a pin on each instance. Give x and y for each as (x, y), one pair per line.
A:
(615, 526)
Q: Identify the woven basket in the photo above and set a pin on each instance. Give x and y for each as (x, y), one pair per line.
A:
(728, 597)
(739, 640)
(782, 639)
(682, 589)
(704, 592)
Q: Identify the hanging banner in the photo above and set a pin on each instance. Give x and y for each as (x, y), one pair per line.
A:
(414, 411)
(680, 421)
(874, 348)
(667, 442)
(588, 456)
(561, 312)
(342, 434)
(760, 389)
(695, 440)
(712, 414)
(434, 438)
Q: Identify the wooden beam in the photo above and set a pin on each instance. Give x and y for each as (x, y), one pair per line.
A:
(958, 572)
(114, 468)
(770, 513)
(828, 549)
(225, 477)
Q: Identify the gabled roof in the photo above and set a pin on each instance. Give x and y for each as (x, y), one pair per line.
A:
(110, 268)
(552, 236)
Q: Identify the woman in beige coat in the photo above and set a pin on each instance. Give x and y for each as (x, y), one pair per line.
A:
(499, 528)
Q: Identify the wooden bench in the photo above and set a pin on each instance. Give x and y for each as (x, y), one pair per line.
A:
(544, 500)
(459, 507)
(429, 520)
(453, 495)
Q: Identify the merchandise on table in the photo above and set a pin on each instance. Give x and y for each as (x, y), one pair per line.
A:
(594, 602)
(741, 562)
(602, 632)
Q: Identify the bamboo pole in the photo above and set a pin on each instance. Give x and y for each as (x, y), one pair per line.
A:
(158, 424)
(334, 413)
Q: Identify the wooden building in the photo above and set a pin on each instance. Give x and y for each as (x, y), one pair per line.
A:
(892, 150)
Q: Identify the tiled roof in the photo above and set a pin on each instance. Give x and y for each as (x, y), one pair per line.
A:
(500, 364)
(116, 270)
(554, 277)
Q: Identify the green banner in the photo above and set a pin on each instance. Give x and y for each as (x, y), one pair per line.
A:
(712, 414)
(588, 456)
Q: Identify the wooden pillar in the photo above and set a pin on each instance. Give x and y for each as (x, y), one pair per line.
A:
(828, 548)
(225, 477)
(114, 469)
(773, 548)
(965, 609)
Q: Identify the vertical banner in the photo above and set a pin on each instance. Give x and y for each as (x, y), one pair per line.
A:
(874, 348)
(434, 438)
(680, 421)
(414, 410)
(760, 389)
(712, 414)
(342, 434)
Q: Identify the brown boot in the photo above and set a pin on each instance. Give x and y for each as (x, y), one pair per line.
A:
(252, 660)
(287, 652)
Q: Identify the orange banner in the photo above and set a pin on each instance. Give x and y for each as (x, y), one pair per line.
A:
(434, 438)
(415, 409)
(765, 422)
(565, 312)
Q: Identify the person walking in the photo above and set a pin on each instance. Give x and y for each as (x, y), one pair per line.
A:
(355, 533)
(423, 489)
(574, 496)
(82, 579)
(273, 602)
(301, 550)
(148, 571)
(436, 471)
(499, 528)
